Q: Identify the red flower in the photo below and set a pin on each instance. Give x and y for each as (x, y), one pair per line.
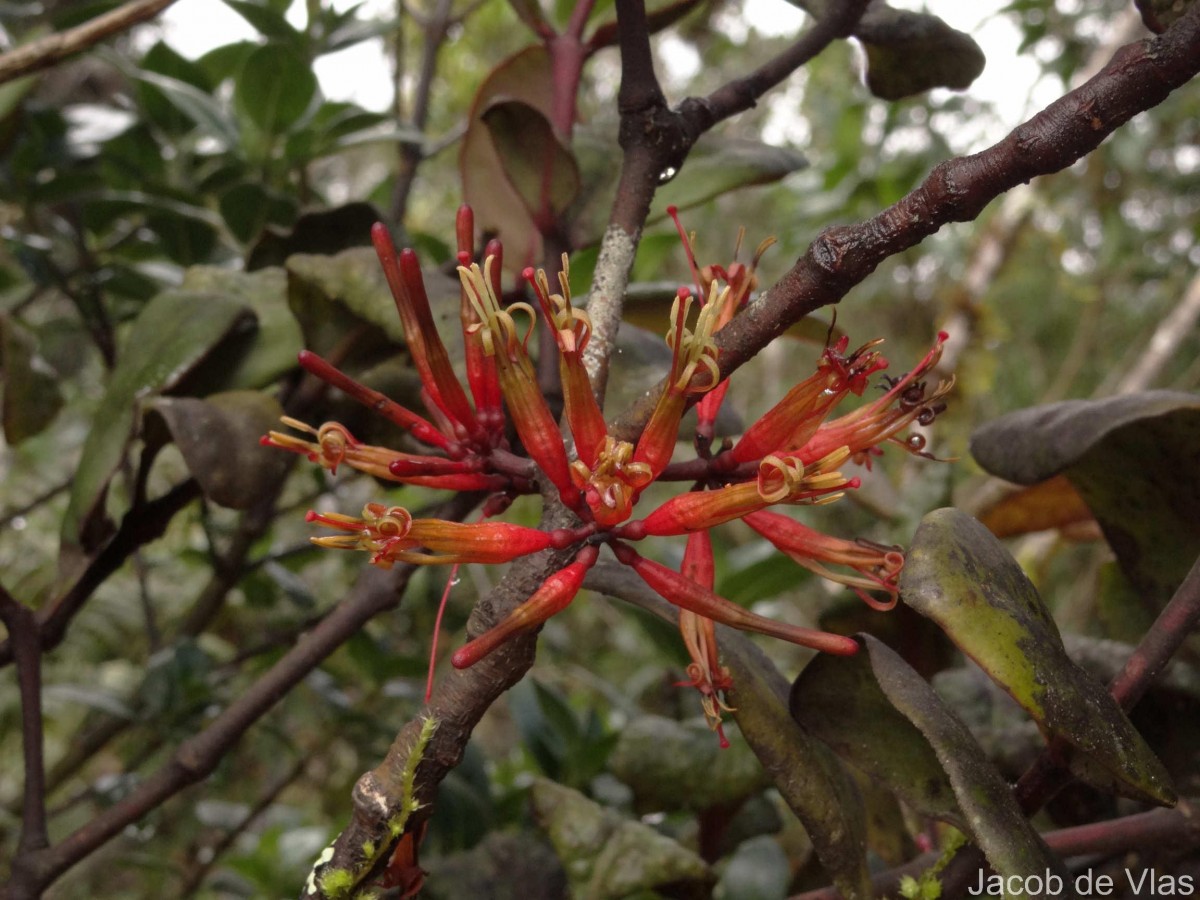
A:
(791, 455)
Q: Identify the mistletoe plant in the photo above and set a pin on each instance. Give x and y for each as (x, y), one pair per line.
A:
(792, 455)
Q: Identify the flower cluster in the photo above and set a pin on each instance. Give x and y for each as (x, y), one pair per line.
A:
(792, 455)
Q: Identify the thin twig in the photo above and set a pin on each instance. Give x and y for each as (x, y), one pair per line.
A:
(23, 634)
(657, 140)
(47, 51)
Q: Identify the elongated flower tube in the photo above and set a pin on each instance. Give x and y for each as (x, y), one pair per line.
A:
(877, 567)
(555, 595)
(481, 369)
(741, 280)
(793, 420)
(906, 401)
(335, 445)
(391, 534)
(705, 673)
(780, 480)
(693, 371)
(420, 428)
(428, 352)
(572, 329)
(685, 593)
(527, 407)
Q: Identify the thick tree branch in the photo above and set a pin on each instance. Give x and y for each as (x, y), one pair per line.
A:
(45, 52)
(1138, 77)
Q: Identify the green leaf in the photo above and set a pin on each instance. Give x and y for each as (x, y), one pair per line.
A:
(960, 576)
(1131, 458)
(274, 88)
(31, 395)
(329, 295)
(266, 21)
(807, 774)
(195, 104)
(218, 437)
(324, 231)
(839, 700)
(162, 110)
(877, 713)
(269, 351)
(534, 160)
(671, 765)
(605, 855)
(718, 165)
(172, 335)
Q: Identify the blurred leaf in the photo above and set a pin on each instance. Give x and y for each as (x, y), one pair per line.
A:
(260, 356)
(1048, 504)
(196, 104)
(1158, 15)
(757, 870)
(810, 778)
(165, 111)
(266, 21)
(605, 855)
(31, 394)
(915, 53)
(218, 437)
(960, 576)
(274, 87)
(325, 231)
(718, 165)
(672, 765)
(839, 701)
(329, 295)
(538, 166)
(527, 77)
(1132, 459)
(248, 207)
(909, 52)
(174, 332)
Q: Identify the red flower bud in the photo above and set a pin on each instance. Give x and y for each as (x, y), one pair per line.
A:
(685, 593)
(555, 594)
(428, 352)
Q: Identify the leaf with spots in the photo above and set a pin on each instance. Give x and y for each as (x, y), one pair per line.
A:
(962, 577)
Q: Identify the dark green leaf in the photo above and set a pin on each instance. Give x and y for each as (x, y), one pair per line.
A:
(960, 576)
(274, 88)
(162, 110)
(267, 352)
(994, 819)
(31, 395)
(1132, 459)
(218, 437)
(197, 105)
(807, 774)
(175, 331)
(266, 21)
(838, 700)
(606, 856)
(324, 231)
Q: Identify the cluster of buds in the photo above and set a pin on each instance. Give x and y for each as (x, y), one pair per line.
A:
(792, 455)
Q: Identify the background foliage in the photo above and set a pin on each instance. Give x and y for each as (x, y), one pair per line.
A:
(175, 230)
